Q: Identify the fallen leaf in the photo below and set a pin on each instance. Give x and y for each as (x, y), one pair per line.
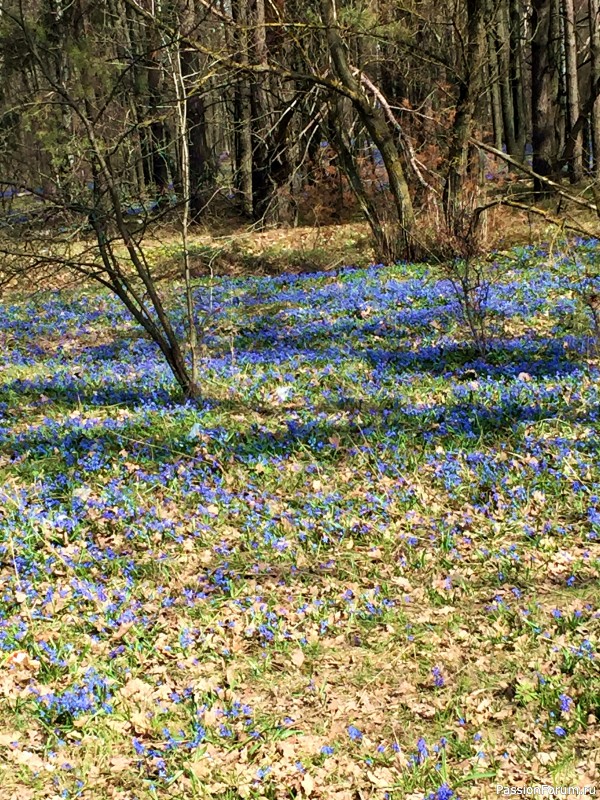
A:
(120, 763)
(308, 784)
(121, 631)
(200, 769)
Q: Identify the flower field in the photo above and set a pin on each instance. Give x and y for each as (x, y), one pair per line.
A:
(364, 565)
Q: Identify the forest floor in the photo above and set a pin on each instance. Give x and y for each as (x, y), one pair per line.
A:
(364, 565)
(224, 246)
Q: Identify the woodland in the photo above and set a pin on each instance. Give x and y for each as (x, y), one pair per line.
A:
(299, 399)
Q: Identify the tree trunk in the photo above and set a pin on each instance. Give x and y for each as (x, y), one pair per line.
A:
(594, 23)
(159, 138)
(384, 244)
(272, 113)
(576, 162)
(242, 123)
(544, 78)
(495, 99)
(264, 188)
(186, 191)
(373, 119)
(518, 77)
(504, 67)
(202, 168)
(468, 95)
(557, 38)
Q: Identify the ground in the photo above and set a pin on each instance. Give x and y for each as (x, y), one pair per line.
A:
(363, 565)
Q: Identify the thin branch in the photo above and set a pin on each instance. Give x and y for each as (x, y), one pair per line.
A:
(558, 188)
(404, 140)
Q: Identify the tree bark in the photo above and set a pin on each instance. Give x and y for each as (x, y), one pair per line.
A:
(504, 67)
(494, 92)
(544, 79)
(384, 246)
(202, 168)
(572, 85)
(594, 25)
(242, 122)
(517, 76)
(376, 124)
(159, 138)
(468, 95)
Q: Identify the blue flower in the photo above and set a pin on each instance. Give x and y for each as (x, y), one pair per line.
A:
(565, 702)
(354, 733)
(262, 773)
(138, 747)
(422, 750)
(443, 793)
(438, 678)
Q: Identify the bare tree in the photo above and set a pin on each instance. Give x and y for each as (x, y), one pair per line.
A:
(88, 190)
(377, 126)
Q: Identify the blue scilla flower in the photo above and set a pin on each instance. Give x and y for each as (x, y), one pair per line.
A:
(565, 702)
(438, 678)
(354, 733)
(86, 697)
(423, 753)
(138, 747)
(443, 793)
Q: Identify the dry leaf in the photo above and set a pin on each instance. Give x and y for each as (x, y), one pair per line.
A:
(383, 778)
(22, 659)
(200, 769)
(136, 686)
(287, 749)
(121, 631)
(308, 784)
(31, 760)
(120, 763)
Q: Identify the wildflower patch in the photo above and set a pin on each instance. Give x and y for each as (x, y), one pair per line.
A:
(365, 562)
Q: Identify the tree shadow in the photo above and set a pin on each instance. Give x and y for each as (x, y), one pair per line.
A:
(534, 356)
(73, 392)
(99, 378)
(89, 383)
